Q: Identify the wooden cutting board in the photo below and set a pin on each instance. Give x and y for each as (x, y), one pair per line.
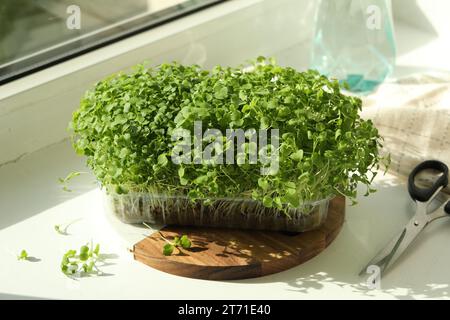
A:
(230, 254)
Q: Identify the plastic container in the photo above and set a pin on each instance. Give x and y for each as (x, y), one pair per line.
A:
(224, 213)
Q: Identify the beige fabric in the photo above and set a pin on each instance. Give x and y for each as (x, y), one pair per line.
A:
(413, 117)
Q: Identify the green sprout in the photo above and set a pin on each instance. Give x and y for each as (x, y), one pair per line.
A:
(23, 255)
(62, 228)
(83, 262)
(65, 181)
(183, 242)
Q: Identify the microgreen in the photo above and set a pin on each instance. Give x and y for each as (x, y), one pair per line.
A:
(177, 242)
(65, 181)
(183, 242)
(59, 229)
(62, 228)
(168, 249)
(23, 255)
(124, 125)
(83, 262)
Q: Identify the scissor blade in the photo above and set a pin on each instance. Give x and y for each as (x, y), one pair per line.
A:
(386, 257)
(383, 256)
(412, 230)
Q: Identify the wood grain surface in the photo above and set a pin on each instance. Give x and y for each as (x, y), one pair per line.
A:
(230, 254)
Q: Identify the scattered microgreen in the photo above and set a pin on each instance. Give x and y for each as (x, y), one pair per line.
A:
(83, 262)
(177, 242)
(65, 181)
(59, 229)
(23, 255)
(168, 249)
(124, 125)
(185, 242)
(62, 228)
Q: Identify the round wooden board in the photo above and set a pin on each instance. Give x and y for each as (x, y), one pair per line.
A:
(230, 254)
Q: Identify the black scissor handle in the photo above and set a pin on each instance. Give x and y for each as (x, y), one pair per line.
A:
(424, 194)
(447, 207)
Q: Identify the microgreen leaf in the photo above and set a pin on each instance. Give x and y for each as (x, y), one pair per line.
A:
(177, 242)
(162, 160)
(23, 255)
(185, 242)
(267, 201)
(297, 155)
(97, 249)
(168, 249)
(65, 181)
(62, 228)
(262, 182)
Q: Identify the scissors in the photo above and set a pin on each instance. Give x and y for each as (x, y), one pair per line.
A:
(422, 197)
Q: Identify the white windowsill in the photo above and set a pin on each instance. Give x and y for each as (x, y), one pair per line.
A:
(33, 202)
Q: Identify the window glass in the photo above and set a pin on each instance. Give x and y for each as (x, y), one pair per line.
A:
(37, 33)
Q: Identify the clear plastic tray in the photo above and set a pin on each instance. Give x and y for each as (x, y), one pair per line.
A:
(224, 213)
